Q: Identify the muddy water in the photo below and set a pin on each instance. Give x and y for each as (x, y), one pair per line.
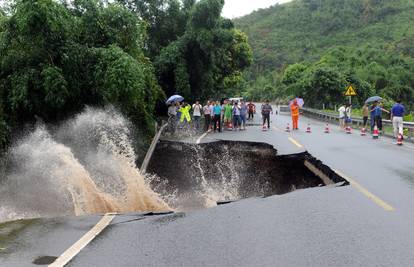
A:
(85, 166)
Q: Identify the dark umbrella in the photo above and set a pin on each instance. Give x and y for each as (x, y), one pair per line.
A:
(373, 99)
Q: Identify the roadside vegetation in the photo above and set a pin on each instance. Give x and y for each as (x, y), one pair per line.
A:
(315, 48)
(58, 56)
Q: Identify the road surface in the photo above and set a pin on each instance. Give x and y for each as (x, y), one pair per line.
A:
(366, 224)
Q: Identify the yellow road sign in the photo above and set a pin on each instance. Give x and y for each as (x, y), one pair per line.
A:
(350, 91)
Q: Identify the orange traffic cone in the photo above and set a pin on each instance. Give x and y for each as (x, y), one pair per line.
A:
(308, 130)
(288, 128)
(375, 133)
(363, 132)
(327, 128)
(348, 129)
(400, 140)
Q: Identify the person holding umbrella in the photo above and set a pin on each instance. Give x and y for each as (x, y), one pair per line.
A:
(174, 103)
(376, 112)
(294, 108)
(380, 115)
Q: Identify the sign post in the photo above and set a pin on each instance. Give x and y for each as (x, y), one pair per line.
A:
(350, 91)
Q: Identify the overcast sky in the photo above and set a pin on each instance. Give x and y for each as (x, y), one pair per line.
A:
(238, 8)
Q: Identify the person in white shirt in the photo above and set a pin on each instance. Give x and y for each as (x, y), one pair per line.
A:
(236, 116)
(197, 114)
(172, 110)
(207, 116)
(342, 116)
(212, 109)
(172, 114)
(348, 111)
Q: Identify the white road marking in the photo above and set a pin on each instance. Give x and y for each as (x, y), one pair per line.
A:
(202, 136)
(71, 252)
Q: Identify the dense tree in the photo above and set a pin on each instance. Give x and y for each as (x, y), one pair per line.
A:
(55, 59)
(58, 56)
(166, 20)
(364, 42)
(207, 60)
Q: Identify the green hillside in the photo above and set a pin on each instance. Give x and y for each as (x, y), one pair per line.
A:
(366, 42)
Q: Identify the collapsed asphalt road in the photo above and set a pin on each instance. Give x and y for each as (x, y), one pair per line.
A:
(232, 170)
(223, 171)
(320, 226)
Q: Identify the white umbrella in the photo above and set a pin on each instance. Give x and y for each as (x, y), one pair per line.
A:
(174, 99)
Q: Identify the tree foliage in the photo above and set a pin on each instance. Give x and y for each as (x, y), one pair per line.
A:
(55, 59)
(364, 42)
(206, 61)
(57, 56)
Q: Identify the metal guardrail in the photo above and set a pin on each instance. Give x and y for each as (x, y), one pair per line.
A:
(151, 149)
(333, 117)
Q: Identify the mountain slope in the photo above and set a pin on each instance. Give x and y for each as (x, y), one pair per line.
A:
(303, 29)
(326, 44)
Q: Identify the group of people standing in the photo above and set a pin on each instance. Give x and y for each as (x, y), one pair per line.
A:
(230, 114)
(374, 112)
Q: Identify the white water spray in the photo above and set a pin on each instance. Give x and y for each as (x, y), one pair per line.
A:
(86, 166)
(213, 190)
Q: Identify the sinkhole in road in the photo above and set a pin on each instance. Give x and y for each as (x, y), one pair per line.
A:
(199, 176)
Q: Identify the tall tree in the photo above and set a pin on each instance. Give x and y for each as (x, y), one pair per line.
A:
(166, 20)
(208, 59)
(57, 58)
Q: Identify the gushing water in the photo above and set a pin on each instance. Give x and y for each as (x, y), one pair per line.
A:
(224, 188)
(85, 166)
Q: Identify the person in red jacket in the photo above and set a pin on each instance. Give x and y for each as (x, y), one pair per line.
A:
(252, 109)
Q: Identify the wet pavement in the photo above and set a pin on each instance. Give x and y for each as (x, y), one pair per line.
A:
(22, 242)
(313, 227)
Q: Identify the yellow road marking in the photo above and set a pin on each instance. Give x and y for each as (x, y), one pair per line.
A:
(368, 194)
(296, 143)
(277, 129)
(71, 252)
